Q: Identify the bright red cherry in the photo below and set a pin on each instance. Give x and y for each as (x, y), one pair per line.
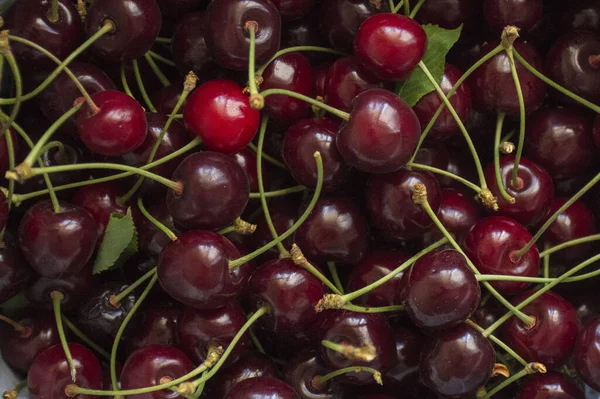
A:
(551, 385)
(587, 354)
(219, 113)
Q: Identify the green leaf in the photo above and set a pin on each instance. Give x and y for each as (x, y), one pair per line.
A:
(119, 243)
(439, 42)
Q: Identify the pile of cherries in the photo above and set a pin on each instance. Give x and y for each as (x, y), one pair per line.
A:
(302, 229)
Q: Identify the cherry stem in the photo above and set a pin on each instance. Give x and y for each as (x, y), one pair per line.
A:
(255, 339)
(61, 155)
(498, 342)
(300, 260)
(159, 74)
(160, 58)
(115, 300)
(52, 13)
(398, 6)
(17, 326)
(84, 338)
(420, 198)
(267, 158)
(168, 232)
(567, 244)
(406, 7)
(546, 261)
(252, 28)
(280, 193)
(82, 9)
(460, 124)
(366, 353)
(445, 173)
(190, 389)
(335, 276)
(340, 114)
(534, 280)
(240, 261)
(556, 214)
(519, 153)
(239, 226)
(125, 83)
(416, 9)
(356, 369)
(531, 368)
(57, 298)
(141, 87)
(165, 40)
(296, 49)
(499, 180)
(392, 5)
(373, 309)
(14, 393)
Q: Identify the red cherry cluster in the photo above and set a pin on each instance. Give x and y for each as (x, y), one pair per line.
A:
(300, 199)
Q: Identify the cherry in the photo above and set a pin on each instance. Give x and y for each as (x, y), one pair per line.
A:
(199, 331)
(456, 162)
(456, 362)
(492, 85)
(178, 8)
(165, 98)
(533, 194)
(551, 313)
(15, 273)
(584, 15)
(219, 113)
(136, 26)
(19, 348)
(215, 191)
(492, 244)
(194, 269)
(336, 230)
(301, 373)
(227, 37)
(440, 290)
(100, 200)
(402, 377)
(375, 265)
(151, 239)
(522, 14)
(57, 244)
(390, 45)
(49, 374)
(189, 47)
(153, 365)
(445, 126)
(551, 385)
(75, 289)
(390, 205)
(246, 159)
(587, 353)
(155, 325)
(381, 134)
(448, 14)
(291, 71)
(262, 388)
(293, 9)
(572, 62)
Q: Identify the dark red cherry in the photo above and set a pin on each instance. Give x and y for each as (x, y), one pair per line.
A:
(358, 330)
(336, 230)
(227, 37)
(30, 19)
(118, 127)
(75, 288)
(381, 134)
(585, 15)
(179, 8)
(154, 325)
(262, 388)
(155, 365)
(560, 140)
(402, 377)
(303, 32)
(457, 362)
(293, 9)
(151, 239)
(552, 340)
(15, 273)
(291, 71)
(551, 385)
(587, 353)
(522, 14)
(57, 244)
(492, 244)
(19, 348)
(440, 290)
(194, 269)
(215, 191)
(188, 47)
(377, 264)
(200, 331)
(137, 23)
(344, 80)
(390, 45)
(220, 114)
(302, 371)
(165, 98)
(246, 159)
(492, 85)
(49, 374)
(100, 200)
(533, 194)
(573, 62)
(448, 14)
(445, 126)
(390, 205)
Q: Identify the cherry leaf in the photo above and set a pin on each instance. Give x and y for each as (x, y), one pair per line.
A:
(119, 243)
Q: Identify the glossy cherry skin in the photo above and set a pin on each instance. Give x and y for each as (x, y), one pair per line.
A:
(552, 340)
(19, 348)
(492, 85)
(375, 265)
(336, 230)
(220, 114)
(151, 239)
(15, 273)
(246, 158)
(262, 388)
(551, 385)
(491, 245)
(402, 377)
(49, 374)
(522, 14)
(358, 330)
(448, 14)
(390, 45)
(456, 362)
(29, 20)
(533, 195)
(155, 325)
(570, 62)
(119, 126)
(587, 353)
(137, 23)
(199, 330)
(215, 191)
(560, 140)
(381, 134)
(226, 35)
(165, 98)
(440, 291)
(293, 9)
(194, 269)
(146, 367)
(390, 205)
(75, 288)
(57, 244)
(189, 47)
(302, 370)
(291, 71)
(100, 200)
(445, 126)
(344, 80)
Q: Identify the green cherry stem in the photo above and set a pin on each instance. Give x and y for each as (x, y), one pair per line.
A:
(255, 339)
(340, 114)
(364, 353)
(168, 232)
(398, 7)
(353, 369)
(280, 193)
(142, 87)
(498, 342)
(531, 368)
(52, 13)
(125, 83)
(85, 339)
(416, 9)
(546, 262)
(57, 298)
(166, 40)
(392, 5)
(115, 300)
(17, 326)
(300, 260)
(252, 27)
(445, 173)
(373, 309)
(296, 49)
(406, 7)
(499, 182)
(335, 276)
(61, 155)
(533, 280)
(267, 157)
(567, 244)
(160, 58)
(159, 74)
(14, 393)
